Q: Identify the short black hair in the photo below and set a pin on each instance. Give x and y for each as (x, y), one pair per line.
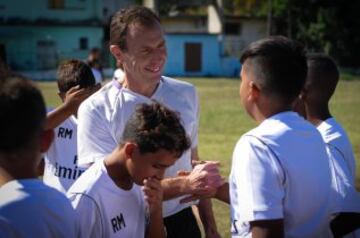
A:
(123, 18)
(153, 127)
(279, 65)
(22, 113)
(323, 76)
(74, 72)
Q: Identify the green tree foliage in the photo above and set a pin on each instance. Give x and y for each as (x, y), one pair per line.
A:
(330, 26)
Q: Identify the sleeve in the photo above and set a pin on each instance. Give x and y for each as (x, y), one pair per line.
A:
(256, 182)
(88, 216)
(94, 136)
(194, 136)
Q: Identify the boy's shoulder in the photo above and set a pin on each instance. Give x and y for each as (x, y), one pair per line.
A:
(90, 181)
(283, 126)
(331, 130)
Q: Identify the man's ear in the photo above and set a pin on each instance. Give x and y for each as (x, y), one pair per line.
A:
(254, 91)
(47, 137)
(116, 52)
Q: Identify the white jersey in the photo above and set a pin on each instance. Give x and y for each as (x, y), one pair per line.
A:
(105, 210)
(61, 169)
(335, 136)
(103, 115)
(342, 161)
(28, 208)
(280, 170)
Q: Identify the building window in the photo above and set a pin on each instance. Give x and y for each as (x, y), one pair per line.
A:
(233, 28)
(56, 4)
(83, 43)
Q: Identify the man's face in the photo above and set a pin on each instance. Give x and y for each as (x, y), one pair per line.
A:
(149, 165)
(145, 54)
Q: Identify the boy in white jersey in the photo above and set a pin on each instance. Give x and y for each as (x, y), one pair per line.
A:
(108, 198)
(137, 42)
(313, 104)
(280, 177)
(28, 208)
(75, 83)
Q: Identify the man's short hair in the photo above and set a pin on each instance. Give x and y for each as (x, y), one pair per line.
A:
(154, 127)
(72, 73)
(22, 113)
(279, 65)
(123, 18)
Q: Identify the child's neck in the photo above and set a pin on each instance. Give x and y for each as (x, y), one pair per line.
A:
(116, 168)
(317, 115)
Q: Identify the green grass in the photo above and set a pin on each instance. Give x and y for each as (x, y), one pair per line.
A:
(223, 121)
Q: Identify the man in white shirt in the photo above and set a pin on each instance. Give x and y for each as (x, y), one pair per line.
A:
(313, 104)
(280, 183)
(137, 42)
(28, 208)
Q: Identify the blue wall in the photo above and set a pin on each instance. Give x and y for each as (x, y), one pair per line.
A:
(21, 43)
(35, 9)
(213, 61)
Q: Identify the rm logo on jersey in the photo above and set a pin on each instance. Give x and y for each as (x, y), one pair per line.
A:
(118, 223)
(65, 133)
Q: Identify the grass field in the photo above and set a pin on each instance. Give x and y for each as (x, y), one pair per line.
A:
(223, 121)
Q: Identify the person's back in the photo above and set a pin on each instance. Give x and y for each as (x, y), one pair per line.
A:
(28, 208)
(280, 179)
(75, 83)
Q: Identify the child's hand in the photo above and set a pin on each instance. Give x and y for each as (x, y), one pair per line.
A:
(153, 194)
(76, 95)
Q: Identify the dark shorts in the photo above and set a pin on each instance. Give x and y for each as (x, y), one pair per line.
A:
(182, 224)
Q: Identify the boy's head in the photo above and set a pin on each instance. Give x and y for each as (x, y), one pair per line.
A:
(322, 78)
(153, 139)
(276, 68)
(72, 73)
(22, 118)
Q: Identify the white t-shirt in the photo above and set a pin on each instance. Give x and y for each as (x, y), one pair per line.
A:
(61, 169)
(280, 170)
(105, 210)
(342, 161)
(103, 115)
(335, 136)
(28, 208)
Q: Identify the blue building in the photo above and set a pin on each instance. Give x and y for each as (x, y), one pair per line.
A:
(37, 35)
(191, 54)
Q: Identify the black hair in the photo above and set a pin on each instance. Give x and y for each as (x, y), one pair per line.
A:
(323, 76)
(153, 127)
(123, 18)
(279, 65)
(72, 73)
(22, 113)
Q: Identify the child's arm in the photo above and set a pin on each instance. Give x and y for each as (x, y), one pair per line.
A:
(73, 98)
(154, 196)
(201, 182)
